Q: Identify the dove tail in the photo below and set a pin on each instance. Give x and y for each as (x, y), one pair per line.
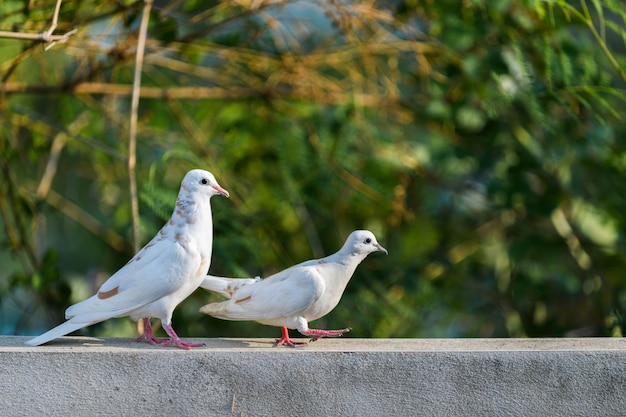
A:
(227, 310)
(60, 330)
(217, 310)
(226, 286)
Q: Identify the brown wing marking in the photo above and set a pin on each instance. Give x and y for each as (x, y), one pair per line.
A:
(243, 299)
(108, 294)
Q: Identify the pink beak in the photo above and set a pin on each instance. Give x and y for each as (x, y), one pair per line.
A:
(221, 191)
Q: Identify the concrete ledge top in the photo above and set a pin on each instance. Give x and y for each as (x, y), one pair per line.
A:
(90, 344)
(79, 376)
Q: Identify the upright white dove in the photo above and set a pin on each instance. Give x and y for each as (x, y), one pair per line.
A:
(295, 296)
(161, 275)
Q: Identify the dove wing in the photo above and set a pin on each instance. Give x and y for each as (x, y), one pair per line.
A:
(229, 287)
(287, 293)
(158, 270)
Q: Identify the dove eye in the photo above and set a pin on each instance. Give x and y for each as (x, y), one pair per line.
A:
(204, 181)
(368, 240)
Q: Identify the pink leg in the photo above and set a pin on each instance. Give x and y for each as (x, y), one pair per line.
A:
(175, 339)
(285, 340)
(317, 333)
(149, 336)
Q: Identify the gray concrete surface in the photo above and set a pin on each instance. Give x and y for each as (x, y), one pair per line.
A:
(79, 376)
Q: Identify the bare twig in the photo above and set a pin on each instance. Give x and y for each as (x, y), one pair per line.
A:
(64, 38)
(85, 219)
(588, 20)
(17, 234)
(51, 167)
(305, 217)
(195, 93)
(39, 219)
(565, 230)
(55, 21)
(14, 240)
(37, 117)
(41, 37)
(346, 176)
(132, 140)
(45, 184)
(55, 152)
(47, 36)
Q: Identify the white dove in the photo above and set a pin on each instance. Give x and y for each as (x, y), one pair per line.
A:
(295, 296)
(161, 275)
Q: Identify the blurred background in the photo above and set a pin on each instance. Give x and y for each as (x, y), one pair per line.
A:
(483, 142)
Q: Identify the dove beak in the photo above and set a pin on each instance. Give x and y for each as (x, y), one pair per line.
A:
(381, 249)
(221, 191)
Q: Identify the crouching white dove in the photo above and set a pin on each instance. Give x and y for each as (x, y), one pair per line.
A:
(295, 296)
(161, 275)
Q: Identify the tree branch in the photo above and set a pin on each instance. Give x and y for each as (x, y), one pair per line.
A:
(93, 143)
(40, 37)
(196, 93)
(55, 20)
(85, 219)
(46, 36)
(132, 139)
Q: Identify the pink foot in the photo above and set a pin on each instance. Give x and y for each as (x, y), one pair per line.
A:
(317, 333)
(174, 339)
(286, 341)
(149, 337)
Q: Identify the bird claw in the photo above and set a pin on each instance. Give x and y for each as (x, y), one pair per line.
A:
(187, 345)
(288, 342)
(319, 333)
(149, 337)
(184, 345)
(285, 340)
(315, 333)
(169, 342)
(153, 340)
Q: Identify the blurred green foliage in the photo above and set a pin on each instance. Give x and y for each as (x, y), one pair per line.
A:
(482, 142)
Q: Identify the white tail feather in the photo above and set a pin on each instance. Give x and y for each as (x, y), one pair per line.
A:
(225, 310)
(226, 286)
(60, 330)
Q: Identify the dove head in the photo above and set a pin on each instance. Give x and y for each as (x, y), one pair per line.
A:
(199, 182)
(362, 242)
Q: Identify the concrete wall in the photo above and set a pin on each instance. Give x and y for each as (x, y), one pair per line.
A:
(80, 376)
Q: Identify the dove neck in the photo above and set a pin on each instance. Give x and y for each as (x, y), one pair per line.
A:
(193, 215)
(351, 259)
